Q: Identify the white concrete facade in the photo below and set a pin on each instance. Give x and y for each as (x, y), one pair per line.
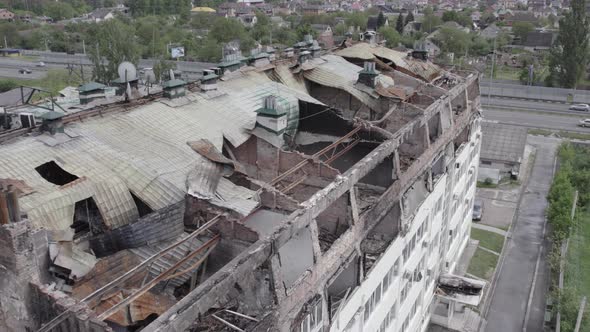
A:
(398, 291)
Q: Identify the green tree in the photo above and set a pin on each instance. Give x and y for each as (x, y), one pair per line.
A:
(454, 40)
(226, 30)
(380, 20)
(522, 29)
(303, 30)
(340, 29)
(430, 22)
(112, 43)
(59, 10)
(569, 55)
(450, 16)
(357, 19)
(399, 25)
(480, 46)
(410, 17)
(391, 36)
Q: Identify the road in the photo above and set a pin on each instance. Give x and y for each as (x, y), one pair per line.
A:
(536, 119)
(508, 307)
(510, 103)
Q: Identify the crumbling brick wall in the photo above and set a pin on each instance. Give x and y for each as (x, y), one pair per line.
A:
(50, 303)
(23, 258)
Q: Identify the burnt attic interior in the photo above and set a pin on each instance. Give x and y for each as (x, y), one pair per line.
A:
(209, 210)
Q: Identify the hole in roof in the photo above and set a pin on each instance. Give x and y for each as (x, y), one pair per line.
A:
(53, 173)
(142, 206)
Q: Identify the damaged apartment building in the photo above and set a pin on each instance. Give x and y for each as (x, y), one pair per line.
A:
(311, 192)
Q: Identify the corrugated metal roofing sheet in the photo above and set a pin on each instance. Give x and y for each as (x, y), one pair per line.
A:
(172, 257)
(143, 151)
(364, 51)
(340, 74)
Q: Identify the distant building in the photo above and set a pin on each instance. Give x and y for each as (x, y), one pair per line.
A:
(6, 15)
(491, 32)
(104, 14)
(251, 2)
(248, 20)
(539, 40)
(313, 10)
(412, 27)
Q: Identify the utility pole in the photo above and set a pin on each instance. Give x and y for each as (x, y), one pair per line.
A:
(83, 47)
(5, 42)
(492, 71)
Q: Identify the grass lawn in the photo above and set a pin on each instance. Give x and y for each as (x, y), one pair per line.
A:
(481, 184)
(54, 81)
(482, 264)
(561, 133)
(578, 258)
(487, 239)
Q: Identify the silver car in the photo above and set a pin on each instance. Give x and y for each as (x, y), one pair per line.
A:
(580, 108)
(477, 210)
(585, 123)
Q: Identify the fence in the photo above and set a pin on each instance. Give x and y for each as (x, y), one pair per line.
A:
(535, 93)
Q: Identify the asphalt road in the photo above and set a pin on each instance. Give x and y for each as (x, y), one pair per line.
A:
(508, 307)
(511, 103)
(536, 119)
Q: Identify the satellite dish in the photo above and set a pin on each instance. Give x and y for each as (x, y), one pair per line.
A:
(127, 71)
(150, 77)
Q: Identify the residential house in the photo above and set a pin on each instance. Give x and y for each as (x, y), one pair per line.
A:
(520, 16)
(491, 31)
(372, 23)
(412, 27)
(325, 35)
(6, 15)
(104, 14)
(476, 16)
(539, 40)
(248, 20)
(251, 2)
(313, 10)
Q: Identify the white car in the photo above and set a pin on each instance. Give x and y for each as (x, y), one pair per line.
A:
(580, 107)
(585, 123)
(40, 64)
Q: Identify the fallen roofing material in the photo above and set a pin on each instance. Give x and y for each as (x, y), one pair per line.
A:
(363, 51)
(160, 226)
(340, 74)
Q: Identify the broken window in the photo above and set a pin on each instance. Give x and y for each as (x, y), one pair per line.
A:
(87, 218)
(333, 222)
(53, 173)
(343, 286)
(434, 127)
(142, 206)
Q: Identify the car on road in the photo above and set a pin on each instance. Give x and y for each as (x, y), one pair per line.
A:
(40, 64)
(477, 209)
(580, 108)
(25, 71)
(585, 123)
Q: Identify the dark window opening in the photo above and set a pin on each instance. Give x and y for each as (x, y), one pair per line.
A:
(53, 173)
(142, 206)
(87, 218)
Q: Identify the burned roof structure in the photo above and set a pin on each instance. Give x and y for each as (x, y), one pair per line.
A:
(237, 204)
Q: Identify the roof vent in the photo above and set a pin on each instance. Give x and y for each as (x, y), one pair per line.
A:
(368, 76)
(271, 116)
(174, 88)
(52, 122)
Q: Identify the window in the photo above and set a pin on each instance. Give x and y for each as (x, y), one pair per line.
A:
(485, 162)
(313, 322)
(396, 267)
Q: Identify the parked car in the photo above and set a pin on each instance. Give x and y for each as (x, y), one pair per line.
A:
(25, 71)
(580, 107)
(477, 210)
(40, 64)
(585, 123)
